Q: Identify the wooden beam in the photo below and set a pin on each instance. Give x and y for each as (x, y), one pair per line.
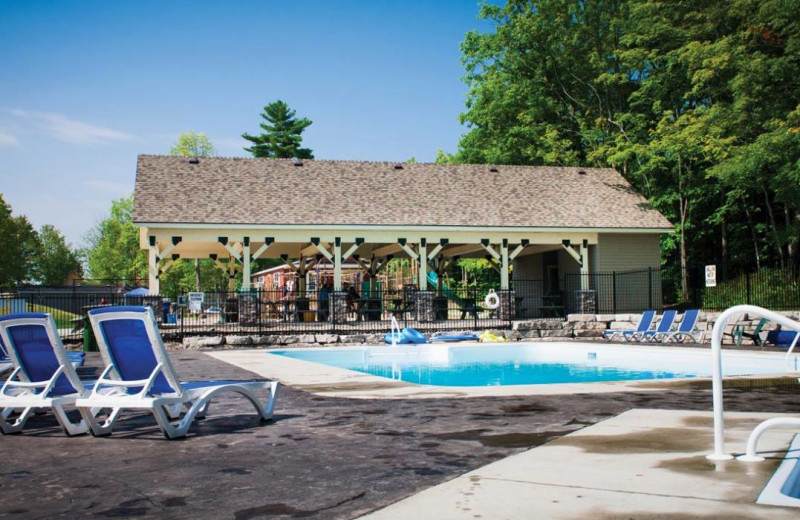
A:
(462, 250)
(489, 249)
(388, 250)
(568, 248)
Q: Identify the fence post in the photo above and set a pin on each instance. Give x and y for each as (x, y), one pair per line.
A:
(614, 291)
(649, 287)
(747, 282)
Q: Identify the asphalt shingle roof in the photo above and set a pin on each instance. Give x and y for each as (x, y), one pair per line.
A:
(273, 191)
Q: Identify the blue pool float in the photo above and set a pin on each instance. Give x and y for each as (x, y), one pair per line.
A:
(413, 335)
(398, 336)
(455, 337)
(406, 336)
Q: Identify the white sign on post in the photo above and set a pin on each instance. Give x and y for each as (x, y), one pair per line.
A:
(711, 276)
(196, 300)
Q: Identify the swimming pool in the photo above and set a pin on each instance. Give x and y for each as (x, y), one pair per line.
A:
(532, 363)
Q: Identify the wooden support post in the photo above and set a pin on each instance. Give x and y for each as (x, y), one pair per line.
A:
(246, 264)
(504, 265)
(423, 264)
(337, 264)
(153, 282)
(584, 250)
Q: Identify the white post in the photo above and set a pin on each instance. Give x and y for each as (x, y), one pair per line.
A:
(423, 264)
(337, 264)
(584, 252)
(246, 264)
(504, 265)
(153, 283)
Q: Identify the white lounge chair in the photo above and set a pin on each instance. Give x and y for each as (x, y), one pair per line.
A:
(44, 376)
(137, 363)
(626, 334)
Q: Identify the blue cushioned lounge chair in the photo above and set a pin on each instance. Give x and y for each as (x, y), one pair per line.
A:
(43, 376)
(686, 328)
(627, 335)
(137, 364)
(664, 327)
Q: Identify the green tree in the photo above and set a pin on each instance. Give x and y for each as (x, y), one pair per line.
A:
(695, 103)
(281, 138)
(19, 245)
(192, 144)
(113, 251)
(56, 260)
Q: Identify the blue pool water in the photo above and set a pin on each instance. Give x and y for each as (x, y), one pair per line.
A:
(530, 364)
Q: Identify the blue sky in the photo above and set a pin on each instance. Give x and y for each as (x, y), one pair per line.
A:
(85, 86)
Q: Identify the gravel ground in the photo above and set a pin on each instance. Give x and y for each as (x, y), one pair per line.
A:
(321, 458)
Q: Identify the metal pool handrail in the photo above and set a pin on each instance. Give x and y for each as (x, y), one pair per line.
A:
(716, 356)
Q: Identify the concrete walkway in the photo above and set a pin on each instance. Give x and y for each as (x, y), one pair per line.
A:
(642, 464)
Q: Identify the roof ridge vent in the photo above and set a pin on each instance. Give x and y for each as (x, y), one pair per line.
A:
(493, 169)
(193, 160)
(297, 161)
(581, 172)
(398, 166)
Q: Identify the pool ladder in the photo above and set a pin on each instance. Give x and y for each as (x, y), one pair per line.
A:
(716, 388)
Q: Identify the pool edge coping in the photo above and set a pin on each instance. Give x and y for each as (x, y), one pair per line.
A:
(331, 381)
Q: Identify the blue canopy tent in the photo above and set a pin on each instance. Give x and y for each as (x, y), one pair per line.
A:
(139, 291)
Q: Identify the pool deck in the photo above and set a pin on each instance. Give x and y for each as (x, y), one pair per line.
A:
(641, 464)
(331, 457)
(331, 381)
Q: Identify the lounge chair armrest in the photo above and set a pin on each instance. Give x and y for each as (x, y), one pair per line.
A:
(146, 384)
(10, 381)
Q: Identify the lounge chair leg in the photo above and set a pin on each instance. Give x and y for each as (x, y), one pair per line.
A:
(68, 426)
(6, 427)
(104, 429)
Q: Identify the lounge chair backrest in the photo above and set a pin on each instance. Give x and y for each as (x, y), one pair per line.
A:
(129, 341)
(646, 321)
(667, 319)
(35, 347)
(3, 351)
(689, 320)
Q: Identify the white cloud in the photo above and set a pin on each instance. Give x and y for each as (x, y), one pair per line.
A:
(71, 131)
(7, 139)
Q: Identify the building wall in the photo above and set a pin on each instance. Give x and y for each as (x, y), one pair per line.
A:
(624, 270)
(629, 267)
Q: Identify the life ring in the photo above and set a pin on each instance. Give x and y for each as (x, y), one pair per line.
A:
(492, 300)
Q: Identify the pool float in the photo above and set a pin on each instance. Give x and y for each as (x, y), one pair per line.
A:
(405, 336)
(488, 337)
(492, 300)
(455, 337)
(397, 337)
(413, 335)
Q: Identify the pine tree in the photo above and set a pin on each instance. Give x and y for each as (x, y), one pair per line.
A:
(281, 138)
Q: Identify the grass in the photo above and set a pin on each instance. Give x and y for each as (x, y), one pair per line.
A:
(63, 318)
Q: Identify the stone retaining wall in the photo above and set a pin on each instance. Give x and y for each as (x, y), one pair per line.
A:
(575, 326)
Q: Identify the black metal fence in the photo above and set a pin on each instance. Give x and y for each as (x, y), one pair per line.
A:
(775, 289)
(260, 312)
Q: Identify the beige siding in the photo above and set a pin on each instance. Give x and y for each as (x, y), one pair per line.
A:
(628, 252)
(633, 287)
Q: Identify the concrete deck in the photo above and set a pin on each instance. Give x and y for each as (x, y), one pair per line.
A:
(641, 464)
(331, 458)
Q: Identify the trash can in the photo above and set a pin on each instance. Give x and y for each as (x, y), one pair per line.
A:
(89, 341)
(165, 305)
